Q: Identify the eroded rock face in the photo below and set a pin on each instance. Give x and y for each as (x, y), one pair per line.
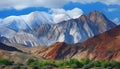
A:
(105, 46)
(58, 51)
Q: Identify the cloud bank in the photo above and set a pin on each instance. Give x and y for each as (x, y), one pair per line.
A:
(62, 15)
(107, 2)
(117, 21)
(111, 9)
(22, 4)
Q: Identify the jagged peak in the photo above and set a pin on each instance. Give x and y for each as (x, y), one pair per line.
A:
(93, 16)
(96, 12)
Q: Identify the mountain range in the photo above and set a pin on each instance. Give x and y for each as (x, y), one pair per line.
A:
(38, 28)
(91, 35)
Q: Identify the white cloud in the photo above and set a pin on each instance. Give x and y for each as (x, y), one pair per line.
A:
(116, 20)
(62, 15)
(107, 2)
(75, 13)
(111, 9)
(0, 20)
(22, 4)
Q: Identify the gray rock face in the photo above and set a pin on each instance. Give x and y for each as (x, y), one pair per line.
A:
(74, 30)
(71, 31)
(24, 38)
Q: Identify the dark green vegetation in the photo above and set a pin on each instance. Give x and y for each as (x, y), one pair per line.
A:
(72, 63)
(6, 62)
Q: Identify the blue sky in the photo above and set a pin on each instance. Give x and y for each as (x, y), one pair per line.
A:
(111, 8)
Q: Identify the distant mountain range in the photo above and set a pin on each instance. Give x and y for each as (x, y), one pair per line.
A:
(38, 28)
(105, 46)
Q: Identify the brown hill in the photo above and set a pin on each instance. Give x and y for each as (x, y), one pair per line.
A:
(105, 46)
(11, 53)
(58, 51)
(8, 48)
(18, 53)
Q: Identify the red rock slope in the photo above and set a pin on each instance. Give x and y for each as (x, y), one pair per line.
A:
(105, 46)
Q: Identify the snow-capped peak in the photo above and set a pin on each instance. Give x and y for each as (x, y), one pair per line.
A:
(42, 17)
(24, 21)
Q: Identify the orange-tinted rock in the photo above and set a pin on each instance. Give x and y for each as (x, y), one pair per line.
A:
(58, 51)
